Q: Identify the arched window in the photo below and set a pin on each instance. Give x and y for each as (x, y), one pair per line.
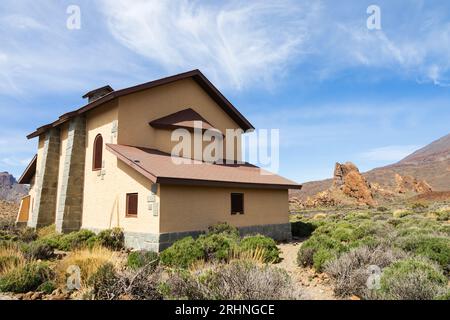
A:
(98, 153)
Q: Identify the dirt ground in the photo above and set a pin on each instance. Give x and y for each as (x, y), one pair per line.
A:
(315, 287)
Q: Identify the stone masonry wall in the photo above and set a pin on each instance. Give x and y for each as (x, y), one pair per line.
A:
(69, 211)
(47, 182)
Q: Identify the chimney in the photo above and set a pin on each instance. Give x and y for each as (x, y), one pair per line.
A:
(98, 93)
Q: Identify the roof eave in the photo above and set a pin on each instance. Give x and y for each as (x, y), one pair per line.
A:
(29, 172)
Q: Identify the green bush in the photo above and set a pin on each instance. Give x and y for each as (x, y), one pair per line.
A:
(412, 279)
(225, 229)
(74, 240)
(321, 257)
(268, 245)
(322, 243)
(443, 215)
(419, 207)
(18, 234)
(111, 238)
(140, 259)
(182, 253)
(26, 278)
(434, 248)
(302, 229)
(47, 287)
(217, 246)
(38, 250)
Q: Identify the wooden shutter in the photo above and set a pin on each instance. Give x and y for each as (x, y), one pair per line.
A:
(98, 153)
(132, 204)
(237, 203)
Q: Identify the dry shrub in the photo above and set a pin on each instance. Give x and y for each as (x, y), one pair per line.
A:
(11, 257)
(89, 261)
(351, 270)
(109, 284)
(257, 255)
(238, 280)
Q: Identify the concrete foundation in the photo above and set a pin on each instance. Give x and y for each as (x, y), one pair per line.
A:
(159, 242)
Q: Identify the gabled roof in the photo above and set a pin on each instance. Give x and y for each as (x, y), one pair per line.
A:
(196, 75)
(184, 119)
(29, 172)
(159, 167)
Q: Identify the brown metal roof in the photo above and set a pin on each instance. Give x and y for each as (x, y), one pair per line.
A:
(182, 119)
(29, 172)
(158, 167)
(106, 88)
(196, 75)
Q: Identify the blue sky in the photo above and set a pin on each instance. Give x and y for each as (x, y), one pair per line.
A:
(336, 90)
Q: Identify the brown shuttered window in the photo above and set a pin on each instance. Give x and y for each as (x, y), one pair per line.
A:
(237, 203)
(98, 153)
(132, 204)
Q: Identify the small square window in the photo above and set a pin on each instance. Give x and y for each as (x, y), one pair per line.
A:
(237, 203)
(132, 205)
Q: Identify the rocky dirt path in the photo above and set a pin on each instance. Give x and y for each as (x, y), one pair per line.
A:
(6, 297)
(315, 287)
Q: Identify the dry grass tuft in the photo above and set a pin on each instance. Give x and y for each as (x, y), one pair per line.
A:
(89, 261)
(11, 257)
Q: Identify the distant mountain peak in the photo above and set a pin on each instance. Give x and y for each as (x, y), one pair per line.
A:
(438, 150)
(430, 164)
(10, 190)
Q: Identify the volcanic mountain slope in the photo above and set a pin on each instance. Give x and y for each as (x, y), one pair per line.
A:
(10, 190)
(430, 164)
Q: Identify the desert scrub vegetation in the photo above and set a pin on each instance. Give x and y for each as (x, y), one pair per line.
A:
(28, 261)
(412, 279)
(142, 258)
(25, 278)
(219, 244)
(237, 280)
(410, 246)
(89, 260)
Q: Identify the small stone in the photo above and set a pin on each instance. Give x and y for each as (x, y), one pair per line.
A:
(28, 295)
(36, 296)
(355, 298)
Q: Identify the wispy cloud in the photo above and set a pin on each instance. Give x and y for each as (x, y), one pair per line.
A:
(388, 153)
(235, 43)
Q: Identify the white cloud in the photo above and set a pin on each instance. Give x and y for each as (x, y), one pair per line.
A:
(235, 44)
(21, 22)
(388, 153)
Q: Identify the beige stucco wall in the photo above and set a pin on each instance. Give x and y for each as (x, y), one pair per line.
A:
(189, 208)
(137, 110)
(104, 202)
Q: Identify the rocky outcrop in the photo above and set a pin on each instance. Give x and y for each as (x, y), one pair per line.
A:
(10, 190)
(405, 184)
(352, 183)
(350, 187)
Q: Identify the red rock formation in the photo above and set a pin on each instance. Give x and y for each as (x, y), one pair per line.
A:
(406, 184)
